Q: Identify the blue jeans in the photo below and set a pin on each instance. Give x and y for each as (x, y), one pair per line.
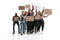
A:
(23, 26)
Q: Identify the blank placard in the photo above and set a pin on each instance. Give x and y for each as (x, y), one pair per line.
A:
(16, 18)
(48, 11)
(21, 7)
(37, 17)
(30, 18)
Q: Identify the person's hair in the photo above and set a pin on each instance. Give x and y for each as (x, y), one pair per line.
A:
(22, 11)
(15, 14)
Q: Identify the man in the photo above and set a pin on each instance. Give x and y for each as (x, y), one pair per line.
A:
(15, 21)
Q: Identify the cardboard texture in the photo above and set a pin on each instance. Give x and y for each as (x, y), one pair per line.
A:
(27, 6)
(16, 18)
(48, 11)
(30, 18)
(21, 7)
(37, 17)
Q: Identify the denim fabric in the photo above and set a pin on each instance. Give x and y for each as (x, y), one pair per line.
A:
(22, 26)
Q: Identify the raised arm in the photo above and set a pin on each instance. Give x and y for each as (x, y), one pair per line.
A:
(36, 10)
(42, 11)
(32, 8)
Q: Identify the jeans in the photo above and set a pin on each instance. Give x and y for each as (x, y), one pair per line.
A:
(15, 22)
(22, 27)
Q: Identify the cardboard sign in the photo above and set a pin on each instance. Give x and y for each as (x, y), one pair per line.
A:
(16, 18)
(48, 11)
(27, 6)
(37, 17)
(30, 18)
(21, 7)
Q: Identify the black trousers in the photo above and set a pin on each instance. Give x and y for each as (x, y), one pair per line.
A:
(15, 22)
(36, 25)
(41, 24)
(30, 26)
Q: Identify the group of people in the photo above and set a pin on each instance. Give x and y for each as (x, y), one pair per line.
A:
(29, 26)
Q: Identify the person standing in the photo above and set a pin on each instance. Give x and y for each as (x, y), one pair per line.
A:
(30, 24)
(15, 21)
(36, 22)
(23, 23)
(41, 20)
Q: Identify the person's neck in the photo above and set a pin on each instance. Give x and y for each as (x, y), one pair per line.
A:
(15, 15)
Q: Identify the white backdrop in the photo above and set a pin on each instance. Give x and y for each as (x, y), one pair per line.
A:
(52, 23)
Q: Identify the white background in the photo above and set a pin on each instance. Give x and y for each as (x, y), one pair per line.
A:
(52, 23)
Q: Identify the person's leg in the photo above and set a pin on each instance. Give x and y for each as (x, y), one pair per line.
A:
(42, 25)
(13, 27)
(28, 32)
(32, 26)
(38, 25)
(18, 27)
(35, 29)
(35, 25)
(24, 27)
(21, 28)
(28, 27)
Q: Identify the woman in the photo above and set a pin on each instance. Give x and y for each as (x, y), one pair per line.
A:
(36, 22)
(41, 20)
(23, 23)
